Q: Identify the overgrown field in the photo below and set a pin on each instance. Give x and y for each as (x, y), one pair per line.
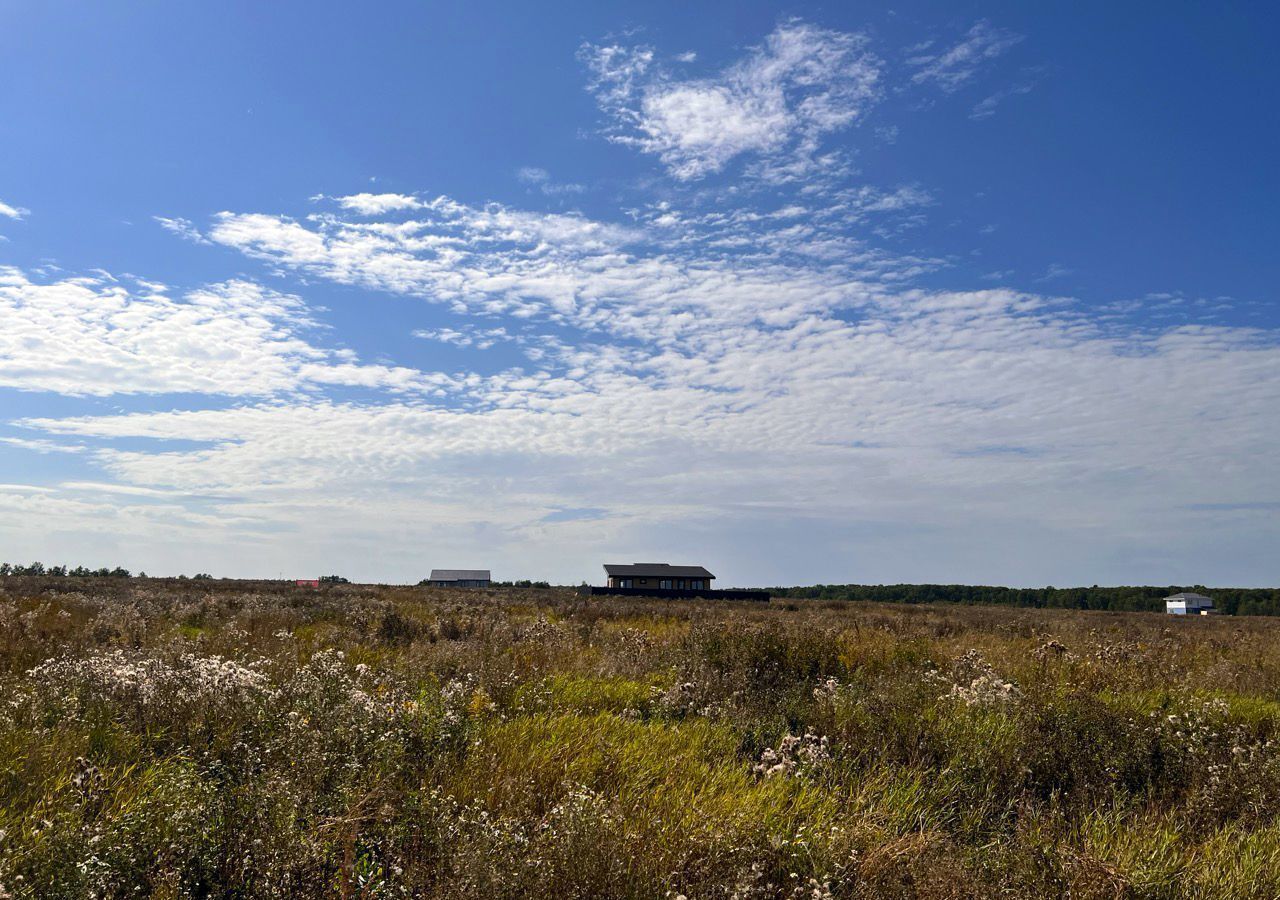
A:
(251, 740)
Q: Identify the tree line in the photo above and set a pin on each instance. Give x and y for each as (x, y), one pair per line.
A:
(40, 569)
(1233, 601)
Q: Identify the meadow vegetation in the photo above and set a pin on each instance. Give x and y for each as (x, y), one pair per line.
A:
(232, 739)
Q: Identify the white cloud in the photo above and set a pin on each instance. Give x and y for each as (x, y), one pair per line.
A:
(480, 338)
(541, 180)
(183, 228)
(13, 212)
(705, 272)
(40, 445)
(96, 336)
(774, 106)
(1054, 271)
(987, 107)
(951, 68)
(378, 204)
(48, 523)
(98, 487)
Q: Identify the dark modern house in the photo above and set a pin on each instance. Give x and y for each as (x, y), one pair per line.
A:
(459, 578)
(664, 580)
(659, 575)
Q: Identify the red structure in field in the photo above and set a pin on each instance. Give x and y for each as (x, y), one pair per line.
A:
(308, 582)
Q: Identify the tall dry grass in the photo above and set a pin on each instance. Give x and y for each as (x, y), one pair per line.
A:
(228, 739)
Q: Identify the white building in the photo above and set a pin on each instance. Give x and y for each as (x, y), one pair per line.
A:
(1186, 604)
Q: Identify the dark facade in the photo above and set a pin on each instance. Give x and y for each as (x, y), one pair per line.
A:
(658, 576)
(459, 578)
(662, 594)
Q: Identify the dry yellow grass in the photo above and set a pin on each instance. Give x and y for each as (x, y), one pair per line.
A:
(193, 739)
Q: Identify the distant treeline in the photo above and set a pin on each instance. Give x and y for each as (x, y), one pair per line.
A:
(1234, 601)
(37, 568)
(40, 569)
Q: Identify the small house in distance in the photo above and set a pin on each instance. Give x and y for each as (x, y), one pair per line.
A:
(666, 581)
(459, 578)
(659, 575)
(1189, 604)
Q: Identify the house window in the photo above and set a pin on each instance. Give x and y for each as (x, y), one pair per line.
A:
(625, 582)
(680, 584)
(644, 580)
(665, 584)
(696, 584)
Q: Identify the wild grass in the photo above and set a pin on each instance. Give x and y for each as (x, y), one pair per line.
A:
(199, 739)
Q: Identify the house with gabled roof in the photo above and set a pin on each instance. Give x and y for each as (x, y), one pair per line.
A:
(665, 581)
(658, 576)
(1188, 603)
(459, 578)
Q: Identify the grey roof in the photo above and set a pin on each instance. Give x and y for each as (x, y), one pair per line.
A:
(1185, 595)
(459, 575)
(655, 570)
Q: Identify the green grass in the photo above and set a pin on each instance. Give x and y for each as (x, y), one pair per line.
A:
(586, 694)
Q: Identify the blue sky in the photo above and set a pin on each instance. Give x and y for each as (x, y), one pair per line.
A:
(940, 292)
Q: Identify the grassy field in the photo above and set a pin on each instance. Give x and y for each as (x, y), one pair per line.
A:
(177, 739)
